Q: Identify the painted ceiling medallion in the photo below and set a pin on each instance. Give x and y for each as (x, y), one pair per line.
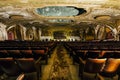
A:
(60, 11)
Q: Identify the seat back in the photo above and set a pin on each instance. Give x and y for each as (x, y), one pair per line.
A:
(94, 65)
(26, 64)
(92, 54)
(3, 53)
(108, 54)
(9, 66)
(111, 67)
(27, 53)
(14, 53)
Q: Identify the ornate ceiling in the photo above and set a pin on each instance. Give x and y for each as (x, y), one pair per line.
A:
(24, 12)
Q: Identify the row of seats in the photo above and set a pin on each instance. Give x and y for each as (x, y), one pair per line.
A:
(114, 45)
(25, 43)
(105, 67)
(36, 53)
(27, 51)
(84, 54)
(103, 60)
(76, 52)
(19, 60)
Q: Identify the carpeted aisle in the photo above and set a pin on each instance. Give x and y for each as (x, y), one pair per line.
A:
(60, 68)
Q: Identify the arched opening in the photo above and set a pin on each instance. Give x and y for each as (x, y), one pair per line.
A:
(90, 34)
(105, 32)
(109, 33)
(10, 35)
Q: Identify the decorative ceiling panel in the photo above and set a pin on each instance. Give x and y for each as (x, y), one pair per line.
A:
(60, 11)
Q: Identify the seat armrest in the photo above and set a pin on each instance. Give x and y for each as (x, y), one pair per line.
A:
(20, 77)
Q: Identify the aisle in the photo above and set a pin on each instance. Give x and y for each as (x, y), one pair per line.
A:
(60, 66)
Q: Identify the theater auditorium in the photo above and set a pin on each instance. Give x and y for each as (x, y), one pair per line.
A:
(59, 39)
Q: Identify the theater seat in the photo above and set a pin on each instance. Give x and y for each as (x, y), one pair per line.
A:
(10, 68)
(29, 65)
(39, 52)
(91, 66)
(111, 68)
